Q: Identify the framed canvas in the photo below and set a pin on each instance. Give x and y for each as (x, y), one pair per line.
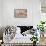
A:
(20, 13)
(43, 6)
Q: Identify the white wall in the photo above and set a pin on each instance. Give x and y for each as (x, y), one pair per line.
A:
(36, 12)
(33, 14)
(0, 11)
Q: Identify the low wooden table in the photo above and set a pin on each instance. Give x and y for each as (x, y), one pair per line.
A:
(16, 44)
(42, 41)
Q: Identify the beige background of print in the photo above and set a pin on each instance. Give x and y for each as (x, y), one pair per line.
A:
(20, 13)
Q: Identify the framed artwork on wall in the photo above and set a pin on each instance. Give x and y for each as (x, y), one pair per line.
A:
(20, 13)
(43, 6)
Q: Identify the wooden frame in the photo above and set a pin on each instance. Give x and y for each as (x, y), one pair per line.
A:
(20, 13)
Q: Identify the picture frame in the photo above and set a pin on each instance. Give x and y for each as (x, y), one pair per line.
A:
(20, 13)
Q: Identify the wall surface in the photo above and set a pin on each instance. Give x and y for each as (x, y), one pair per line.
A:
(0, 11)
(33, 14)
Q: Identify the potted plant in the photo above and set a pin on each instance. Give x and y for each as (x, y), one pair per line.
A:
(41, 28)
(34, 39)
